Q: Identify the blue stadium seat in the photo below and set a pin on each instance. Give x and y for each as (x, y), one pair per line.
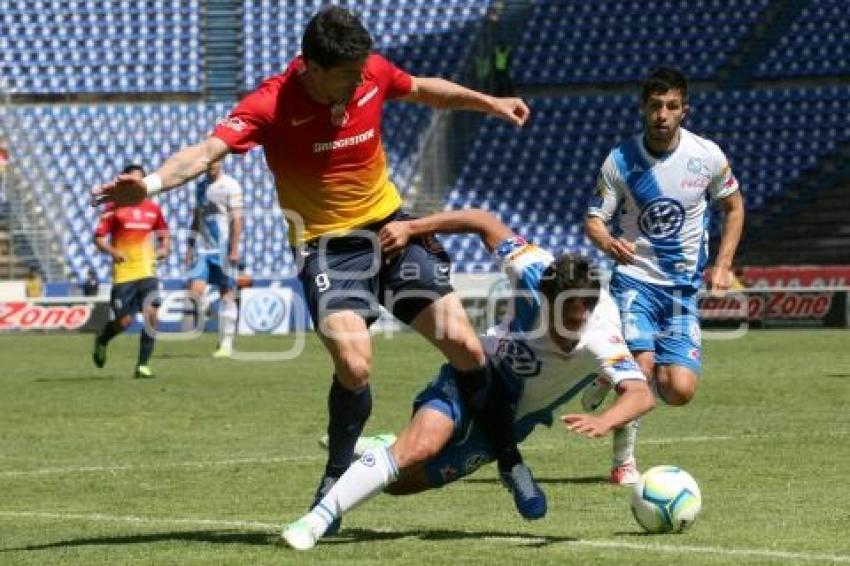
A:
(74, 46)
(817, 44)
(613, 40)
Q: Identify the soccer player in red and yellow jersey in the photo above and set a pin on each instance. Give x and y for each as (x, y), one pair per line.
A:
(319, 124)
(127, 234)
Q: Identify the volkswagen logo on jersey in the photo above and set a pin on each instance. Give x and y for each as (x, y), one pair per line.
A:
(264, 312)
(661, 219)
(520, 358)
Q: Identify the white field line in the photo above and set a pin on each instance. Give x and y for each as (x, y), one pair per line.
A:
(319, 456)
(160, 466)
(529, 540)
(714, 438)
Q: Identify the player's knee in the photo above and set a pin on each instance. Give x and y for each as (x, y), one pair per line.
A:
(125, 321)
(465, 352)
(417, 451)
(353, 371)
(680, 392)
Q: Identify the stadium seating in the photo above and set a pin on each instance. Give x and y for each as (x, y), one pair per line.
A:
(95, 46)
(538, 179)
(818, 43)
(568, 41)
(422, 36)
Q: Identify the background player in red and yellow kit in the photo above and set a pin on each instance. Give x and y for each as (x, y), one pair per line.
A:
(127, 234)
(319, 124)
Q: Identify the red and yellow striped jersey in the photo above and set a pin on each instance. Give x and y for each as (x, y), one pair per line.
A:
(329, 167)
(131, 230)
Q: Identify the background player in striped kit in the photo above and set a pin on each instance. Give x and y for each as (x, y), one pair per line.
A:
(127, 234)
(655, 189)
(213, 252)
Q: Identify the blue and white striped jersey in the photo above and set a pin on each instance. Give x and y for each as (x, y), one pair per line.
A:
(543, 376)
(216, 203)
(662, 206)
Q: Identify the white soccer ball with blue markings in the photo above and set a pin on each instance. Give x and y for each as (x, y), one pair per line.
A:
(666, 500)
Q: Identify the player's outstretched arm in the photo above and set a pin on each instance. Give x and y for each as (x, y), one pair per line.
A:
(395, 235)
(633, 400)
(440, 93)
(181, 167)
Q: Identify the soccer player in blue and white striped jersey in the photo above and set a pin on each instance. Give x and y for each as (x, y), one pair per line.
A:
(650, 213)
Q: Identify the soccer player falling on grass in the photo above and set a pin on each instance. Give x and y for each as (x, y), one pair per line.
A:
(319, 124)
(127, 234)
(561, 331)
(655, 189)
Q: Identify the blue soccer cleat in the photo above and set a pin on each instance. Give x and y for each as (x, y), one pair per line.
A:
(529, 499)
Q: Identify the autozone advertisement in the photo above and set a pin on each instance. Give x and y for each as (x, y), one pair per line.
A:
(776, 307)
(18, 316)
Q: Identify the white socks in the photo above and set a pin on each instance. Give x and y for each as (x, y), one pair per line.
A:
(363, 480)
(625, 438)
(227, 316)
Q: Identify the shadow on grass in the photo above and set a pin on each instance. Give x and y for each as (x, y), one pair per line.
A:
(347, 536)
(210, 537)
(581, 480)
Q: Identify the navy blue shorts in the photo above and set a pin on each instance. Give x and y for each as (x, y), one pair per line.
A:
(469, 448)
(350, 273)
(129, 298)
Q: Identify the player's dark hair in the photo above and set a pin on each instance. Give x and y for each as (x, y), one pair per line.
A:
(571, 273)
(133, 167)
(334, 36)
(662, 79)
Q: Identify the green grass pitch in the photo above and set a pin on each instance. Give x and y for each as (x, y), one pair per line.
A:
(200, 465)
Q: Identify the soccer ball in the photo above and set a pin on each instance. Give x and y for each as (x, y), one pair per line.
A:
(666, 499)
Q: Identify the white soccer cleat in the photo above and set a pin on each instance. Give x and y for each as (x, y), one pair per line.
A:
(625, 474)
(365, 443)
(595, 393)
(299, 535)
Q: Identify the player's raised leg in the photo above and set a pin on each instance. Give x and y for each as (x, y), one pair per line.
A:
(445, 324)
(676, 384)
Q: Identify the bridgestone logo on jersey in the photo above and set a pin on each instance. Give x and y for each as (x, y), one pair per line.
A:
(322, 147)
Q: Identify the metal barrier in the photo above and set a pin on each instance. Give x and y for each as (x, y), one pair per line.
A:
(33, 226)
